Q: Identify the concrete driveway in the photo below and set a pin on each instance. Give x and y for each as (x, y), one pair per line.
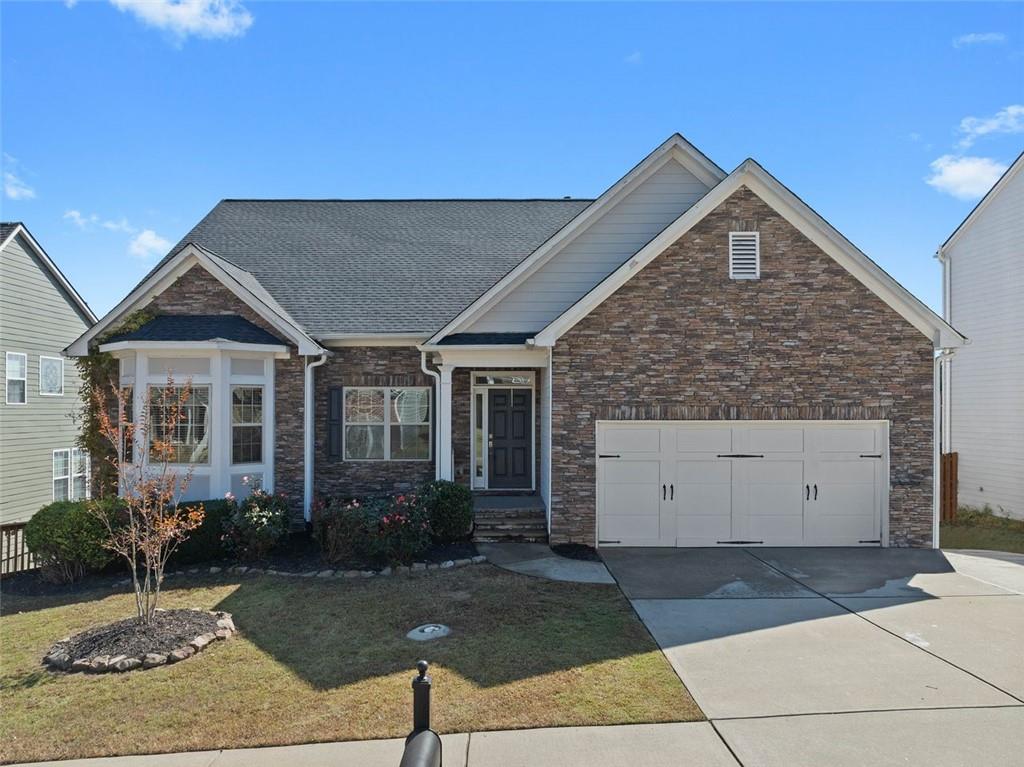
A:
(841, 656)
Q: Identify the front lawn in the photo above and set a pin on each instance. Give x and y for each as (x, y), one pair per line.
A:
(981, 529)
(323, 660)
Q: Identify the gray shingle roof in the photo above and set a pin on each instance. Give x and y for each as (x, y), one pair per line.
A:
(485, 339)
(378, 266)
(198, 327)
(6, 228)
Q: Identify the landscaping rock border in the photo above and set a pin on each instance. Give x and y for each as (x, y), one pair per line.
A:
(59, 659)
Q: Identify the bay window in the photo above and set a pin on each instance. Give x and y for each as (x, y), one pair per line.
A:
(246, 424)
(187, 439)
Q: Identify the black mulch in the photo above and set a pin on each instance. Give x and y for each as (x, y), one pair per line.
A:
(169, 630)
(576, 551)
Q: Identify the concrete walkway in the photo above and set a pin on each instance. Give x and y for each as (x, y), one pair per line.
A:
(538, 560)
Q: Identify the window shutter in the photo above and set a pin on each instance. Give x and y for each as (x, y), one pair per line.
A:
(744, 256)
(334, 422)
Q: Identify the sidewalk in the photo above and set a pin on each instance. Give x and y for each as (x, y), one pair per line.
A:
(653, 745)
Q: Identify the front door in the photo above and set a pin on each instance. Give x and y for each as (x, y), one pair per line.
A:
(509, 443)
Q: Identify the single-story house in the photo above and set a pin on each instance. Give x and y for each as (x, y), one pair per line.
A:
(694, 358)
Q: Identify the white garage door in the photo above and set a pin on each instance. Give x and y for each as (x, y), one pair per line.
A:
(712, 483)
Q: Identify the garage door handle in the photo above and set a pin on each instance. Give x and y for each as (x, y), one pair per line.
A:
(663, 492)
(808, 488)
(815, 492)
(671, 492)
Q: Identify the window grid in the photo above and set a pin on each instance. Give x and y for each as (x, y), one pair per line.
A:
(16, 372)
(190, 438)
(79, 475)
(61, 475)
(246, 424)
(51, 376)
(386, 423)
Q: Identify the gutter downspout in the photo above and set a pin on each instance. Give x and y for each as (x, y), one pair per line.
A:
(307, 447)
(937, 429)
(437, 409)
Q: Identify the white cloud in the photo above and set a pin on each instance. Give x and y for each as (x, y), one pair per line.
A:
(182, 18)
(634, 58)
(148, 244)
(1007, 120)
(14, 187)
(120, 226)
(82, 222)
(966, 178)
(979, 38)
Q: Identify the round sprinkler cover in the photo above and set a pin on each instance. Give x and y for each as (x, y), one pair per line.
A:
(428, 631)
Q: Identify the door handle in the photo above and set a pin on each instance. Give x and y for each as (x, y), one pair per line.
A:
(663, 492)
(808, 487)
(671, 492)
(815, 492)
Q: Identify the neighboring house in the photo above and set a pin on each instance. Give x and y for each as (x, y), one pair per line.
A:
(695, 358)
(40, 314)
(983, 295)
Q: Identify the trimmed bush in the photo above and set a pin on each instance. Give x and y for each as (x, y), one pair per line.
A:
(254, 526)
(449, 510)
(383, 530)
(206, 542)
(67, 540)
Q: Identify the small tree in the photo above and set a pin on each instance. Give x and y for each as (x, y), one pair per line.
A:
(150, 523)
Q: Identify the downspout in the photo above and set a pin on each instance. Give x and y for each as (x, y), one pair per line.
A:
(437, 409)
(943, 355)
(308, 442)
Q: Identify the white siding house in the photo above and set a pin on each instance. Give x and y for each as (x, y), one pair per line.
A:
(40, 314)
(983, 297)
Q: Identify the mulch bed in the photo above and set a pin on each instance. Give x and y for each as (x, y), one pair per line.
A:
(169, 630)
(576, 551)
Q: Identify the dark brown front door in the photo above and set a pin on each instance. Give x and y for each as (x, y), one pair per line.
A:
(509, 449)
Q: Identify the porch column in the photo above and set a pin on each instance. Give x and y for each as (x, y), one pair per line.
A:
(444, 424)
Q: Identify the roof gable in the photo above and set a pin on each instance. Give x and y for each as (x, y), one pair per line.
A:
(752, 176)
(1011, 173)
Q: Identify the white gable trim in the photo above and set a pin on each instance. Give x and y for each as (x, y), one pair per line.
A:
(52, 268)
(797, 213)
(187, 258)
(676, 149)
(992, 193)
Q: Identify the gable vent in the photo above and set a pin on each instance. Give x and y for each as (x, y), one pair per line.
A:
(744, 256)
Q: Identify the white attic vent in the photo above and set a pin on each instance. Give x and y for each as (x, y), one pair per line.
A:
(744, 256)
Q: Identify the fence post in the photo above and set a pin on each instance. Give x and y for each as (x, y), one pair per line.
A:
(423, 746)
(421, 698)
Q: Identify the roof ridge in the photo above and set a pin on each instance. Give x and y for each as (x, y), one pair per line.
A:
(407, 199)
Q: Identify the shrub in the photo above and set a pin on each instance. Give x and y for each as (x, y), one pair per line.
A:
(449, 509)
(254, 526)
(389, 529)
(206, 542)
(68, 539)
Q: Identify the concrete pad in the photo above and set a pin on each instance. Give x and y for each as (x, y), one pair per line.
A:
(1000, 568)
(984, 635)
(366, 753)
(538, 560)
(949, 738)
(696, 574)
(650, 745)
(768, 657)
(188, 759)
(873, 572)
(501, 554)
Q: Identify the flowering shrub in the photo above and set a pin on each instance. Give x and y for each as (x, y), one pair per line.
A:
(388, 529)
(254, 526)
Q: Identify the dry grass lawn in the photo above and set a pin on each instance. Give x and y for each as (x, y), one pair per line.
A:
(328, 660)
(982, 529)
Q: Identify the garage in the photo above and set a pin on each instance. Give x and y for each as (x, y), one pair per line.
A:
(733, 483)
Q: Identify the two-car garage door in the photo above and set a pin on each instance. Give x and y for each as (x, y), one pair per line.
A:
(710, 483)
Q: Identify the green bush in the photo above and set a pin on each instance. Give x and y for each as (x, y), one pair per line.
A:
(253, 527)
(67, 540)
(206, 542)
(449, 510)
(384, 530)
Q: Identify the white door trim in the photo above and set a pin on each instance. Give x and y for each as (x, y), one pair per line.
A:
(474, 389)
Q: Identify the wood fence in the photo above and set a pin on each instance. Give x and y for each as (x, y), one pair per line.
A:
(948, 487)
(14, 554)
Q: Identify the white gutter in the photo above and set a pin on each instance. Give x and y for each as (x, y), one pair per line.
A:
(308, 442)
(437, 409)
(940, 358)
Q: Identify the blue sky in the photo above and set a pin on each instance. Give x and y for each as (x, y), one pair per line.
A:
(124, 122)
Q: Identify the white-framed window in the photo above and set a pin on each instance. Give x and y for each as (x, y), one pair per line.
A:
(16, 372)
(79, 474)
(189, 439)
(246, 424)
(51, 376)
(744, 255)
(386, 423)
(62, 475)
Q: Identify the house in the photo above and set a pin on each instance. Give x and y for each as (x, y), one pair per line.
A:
(694, 358)
(983, 404)
(40, 314)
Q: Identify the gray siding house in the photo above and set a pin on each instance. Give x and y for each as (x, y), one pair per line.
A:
(40, 314)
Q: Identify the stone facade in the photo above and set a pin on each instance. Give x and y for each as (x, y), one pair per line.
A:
(199, 292)
(683, 341)
(366, 366)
